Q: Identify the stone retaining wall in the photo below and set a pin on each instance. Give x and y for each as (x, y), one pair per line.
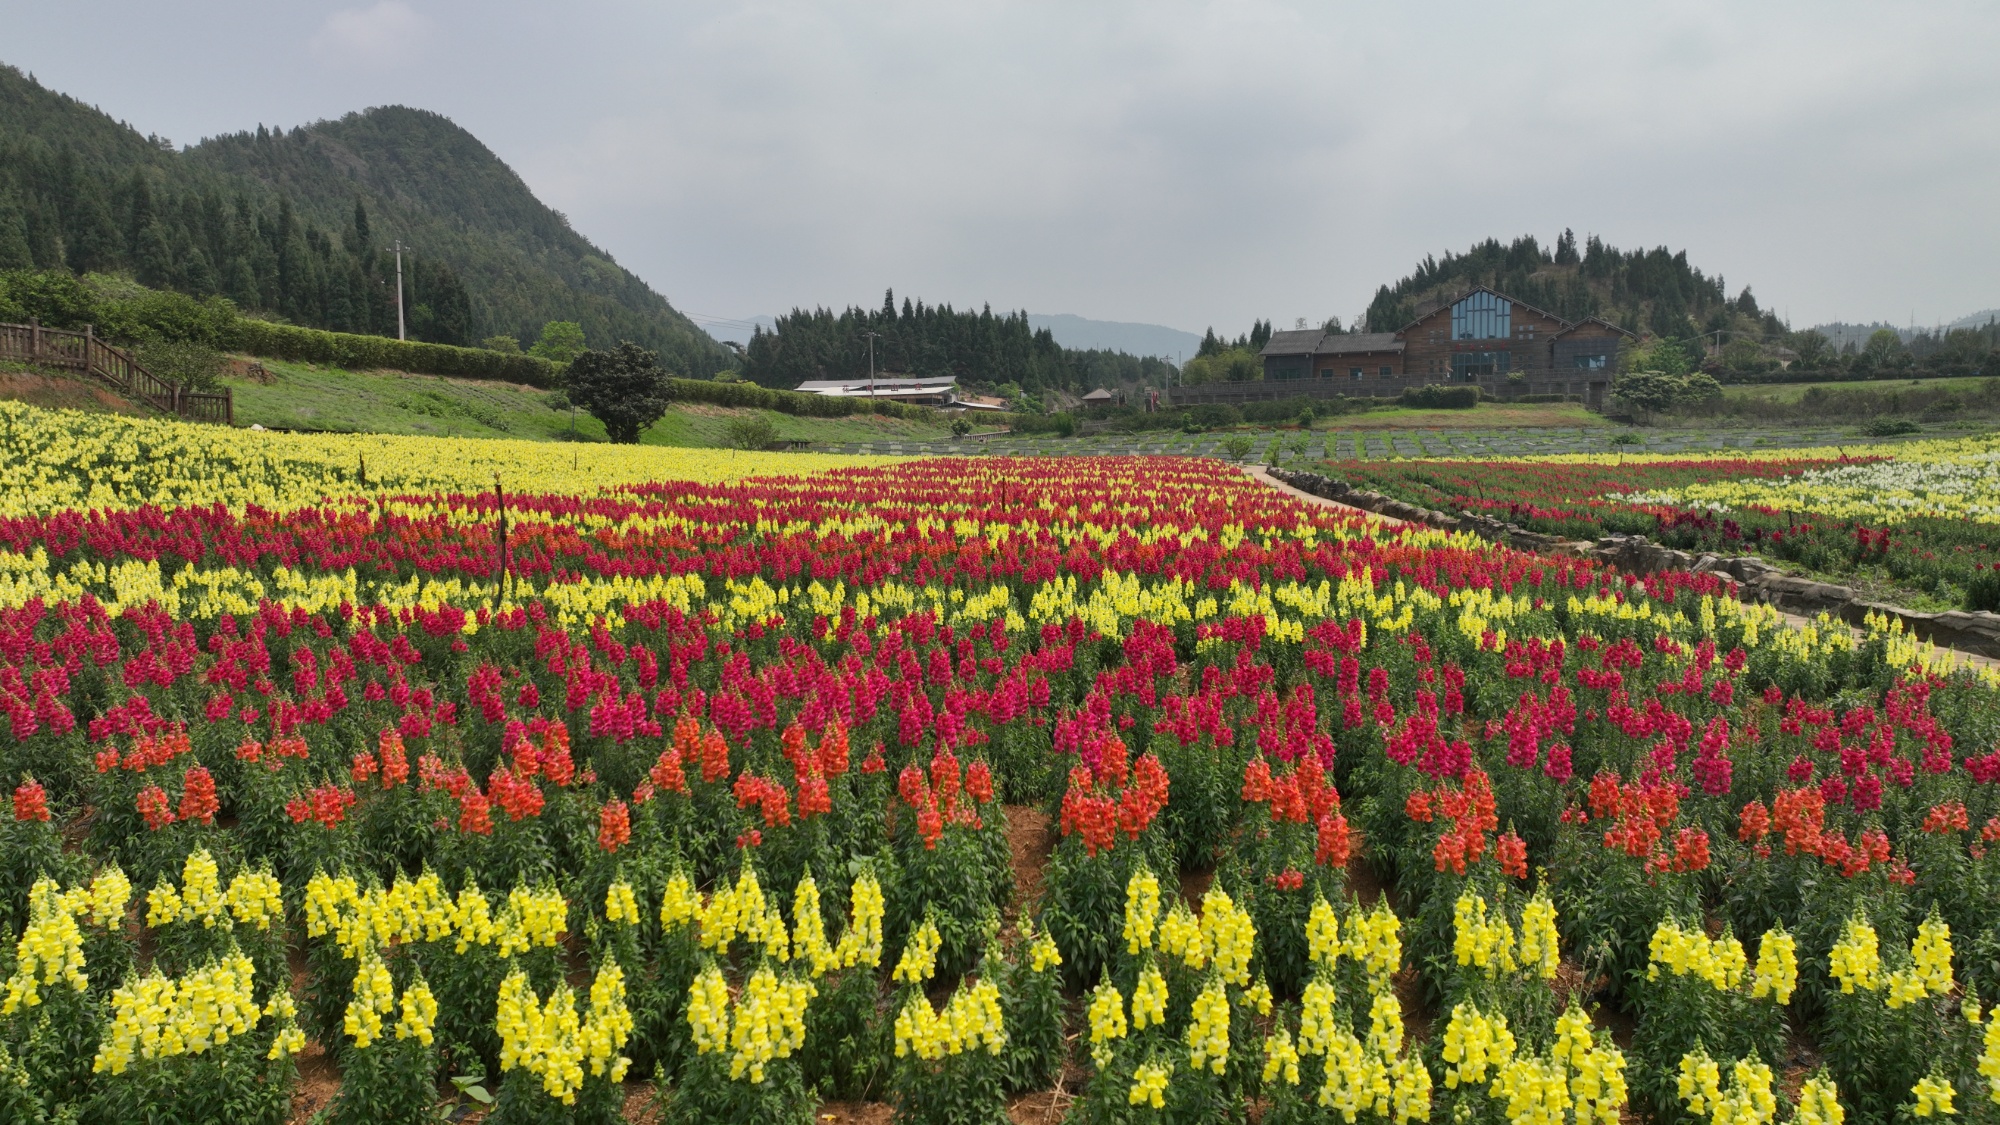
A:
(1756, 580)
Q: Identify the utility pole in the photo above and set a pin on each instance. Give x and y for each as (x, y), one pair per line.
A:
(399, 289)
(871, 363)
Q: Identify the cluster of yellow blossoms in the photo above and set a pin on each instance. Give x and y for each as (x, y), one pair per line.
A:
(1374, 941)
(254, 897)
(1777, 972)
(1360, 1076)
(552, 1042)
(1929, 971)
(1224, 934)
(743, 910)
(1149, 1084)
(418, 909)
(1580, 1072)
(1989, 1055)
(1748, 1101)
(766, 1022)
(1107, 1022)
(375, 998)
(1142, 909)
(1720, 962)
(1856, 959)
(1933, 1094)
(157, 1018)
(1489, 943)
(919, 961)
(1208, 1031)
(1474, 1043)
(1042, 952)
(621, 906)
(970, 1020)
(1819, 1103)
(1149, 998)
(50, 949)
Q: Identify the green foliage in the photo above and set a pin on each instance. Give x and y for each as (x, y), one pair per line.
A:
(1891, 427)
(1439, 396)
(1660, 391)
(127, 312)
(752, 432)
(1655, 289)
(933, 340)
(625, 389)
(1238, 446)
(1233, 365)
(560, 342)
(190, 364)
(791, 402)
(341, 349)
(961, 426)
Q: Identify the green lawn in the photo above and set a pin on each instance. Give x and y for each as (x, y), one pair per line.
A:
(302, 396)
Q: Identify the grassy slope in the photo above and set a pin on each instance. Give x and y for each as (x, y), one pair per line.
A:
(311, 397)
(1792, 392)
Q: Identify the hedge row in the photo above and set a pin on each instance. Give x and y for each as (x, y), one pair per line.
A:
(345, 349)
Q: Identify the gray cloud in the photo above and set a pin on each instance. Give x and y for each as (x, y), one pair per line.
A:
(1169, 161)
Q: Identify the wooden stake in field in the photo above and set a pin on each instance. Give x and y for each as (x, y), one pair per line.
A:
(500, 501)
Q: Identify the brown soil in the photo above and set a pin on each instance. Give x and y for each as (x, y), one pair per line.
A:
(848, 1113)
(1029, 843)
(1195, 884)
(319, 1081)
(61, 392)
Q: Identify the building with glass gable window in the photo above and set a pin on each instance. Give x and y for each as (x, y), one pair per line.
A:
(1484, 338)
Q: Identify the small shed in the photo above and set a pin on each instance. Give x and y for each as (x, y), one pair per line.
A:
(1099, 397)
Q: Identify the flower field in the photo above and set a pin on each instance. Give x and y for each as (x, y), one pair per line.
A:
(727, 777)
(1919, 517)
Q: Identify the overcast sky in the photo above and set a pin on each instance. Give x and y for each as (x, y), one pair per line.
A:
(1180, 163)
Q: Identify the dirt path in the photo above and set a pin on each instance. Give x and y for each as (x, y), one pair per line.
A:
(1260, 474)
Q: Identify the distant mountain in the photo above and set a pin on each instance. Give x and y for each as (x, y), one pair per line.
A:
(1841, 334)
(298, 224)
(1083, 334)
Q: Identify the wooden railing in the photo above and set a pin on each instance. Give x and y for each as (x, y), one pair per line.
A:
(84, 352)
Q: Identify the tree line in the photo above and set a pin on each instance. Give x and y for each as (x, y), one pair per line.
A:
(979, 349)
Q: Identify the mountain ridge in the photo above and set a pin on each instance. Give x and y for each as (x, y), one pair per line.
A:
(83, 190)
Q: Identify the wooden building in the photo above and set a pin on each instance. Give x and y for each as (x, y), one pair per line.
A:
(1483, 338)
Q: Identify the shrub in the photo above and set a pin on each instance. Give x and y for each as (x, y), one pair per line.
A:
(1892, 427)
(345, 349)
(1659, 390)
(751, 432)
(625, 389)
(1438, 396)
(1237, 446)
(961, 426)
(187, 363)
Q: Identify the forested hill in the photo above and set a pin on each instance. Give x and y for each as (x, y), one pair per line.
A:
(298, 224)
(1654, 291)
(979, 348)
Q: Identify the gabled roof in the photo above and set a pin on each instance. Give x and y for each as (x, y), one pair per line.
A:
(1099, 395)
(1312, 341)
(1598, 320)
(1566, 325)
(1301, 341)
(1357, 343)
